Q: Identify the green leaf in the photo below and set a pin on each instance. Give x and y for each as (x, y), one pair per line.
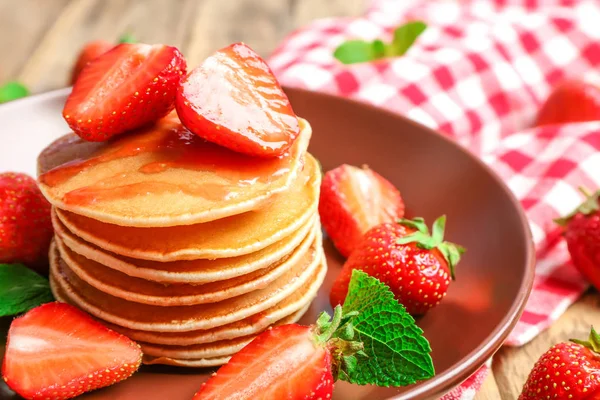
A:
(355, 51)
(593, 342)
(405, 36)
(589, 206)
(451, 251)
(12, 91)
(21, 289)
(397, 352)
(127, 38)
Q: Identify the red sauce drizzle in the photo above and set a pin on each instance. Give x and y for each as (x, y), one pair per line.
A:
(171, 146)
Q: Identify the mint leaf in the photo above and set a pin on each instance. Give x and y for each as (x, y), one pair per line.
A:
(127, 38)
(397, 353)
(21, 289)
(356, 51)
(405, 36)
(12, 91)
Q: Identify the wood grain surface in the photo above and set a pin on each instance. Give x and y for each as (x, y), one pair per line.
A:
(39, 40)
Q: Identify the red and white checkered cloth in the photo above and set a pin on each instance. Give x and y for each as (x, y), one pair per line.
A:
(479, 74)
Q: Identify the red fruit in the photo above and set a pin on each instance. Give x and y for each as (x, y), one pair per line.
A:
(354, 200)
(571, 101)
(56, 351)
(25, 227)
(123, 89)
(582, 233)
(566, 371)
(90, 52)
(415, 265)
(233, 99)
(285, 362)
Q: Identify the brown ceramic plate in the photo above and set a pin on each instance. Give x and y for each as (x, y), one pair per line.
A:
(435, 177)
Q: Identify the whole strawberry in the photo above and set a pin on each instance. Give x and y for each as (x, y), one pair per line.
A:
(568, 370)
(25, 227)
(91, 51)
(416, 265)
(582, 233)
(571, 101)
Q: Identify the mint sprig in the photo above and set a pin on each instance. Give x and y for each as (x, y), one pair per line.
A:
(12, 91)
(21, 289)
(356, 51)
(396, 352)
(373, 339)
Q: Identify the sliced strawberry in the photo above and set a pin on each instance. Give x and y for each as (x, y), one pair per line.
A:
(123, 89)
(353, 200)
(233, 99)
(571, 101)
(282, 363)
(56, 351)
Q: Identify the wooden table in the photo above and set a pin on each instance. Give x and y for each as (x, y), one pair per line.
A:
(39, 40)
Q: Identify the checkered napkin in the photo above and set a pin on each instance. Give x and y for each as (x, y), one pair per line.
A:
(479, 74)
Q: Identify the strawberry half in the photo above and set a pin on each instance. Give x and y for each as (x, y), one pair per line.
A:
(582, 233)
(286, 362)
(123, 89)
(25, 226)
(352, 201)
(566, 371)
(571, 101)
(55, 351)
(233, 99)
(415, 265)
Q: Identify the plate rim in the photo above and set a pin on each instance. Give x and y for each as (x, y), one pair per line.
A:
(465, 367)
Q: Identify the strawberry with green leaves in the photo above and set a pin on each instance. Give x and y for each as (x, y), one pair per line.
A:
(582, 233)
(568, 370)
(56, 351)
(416, 265)
(363, 343)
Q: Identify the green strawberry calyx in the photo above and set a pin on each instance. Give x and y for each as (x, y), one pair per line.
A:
(337, 333)
(424, 240)
(593, 342)
(589, 206)
(367, 337)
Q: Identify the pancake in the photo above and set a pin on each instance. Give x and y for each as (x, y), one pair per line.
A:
(182, 318)
(185, 271)
(139, 290)
(209, 350)
(297, 303)
(228, 237)
(163, 175)
(213, 349)
(201, 363)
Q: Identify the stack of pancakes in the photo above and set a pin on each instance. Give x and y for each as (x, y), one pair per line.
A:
(186, 247)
